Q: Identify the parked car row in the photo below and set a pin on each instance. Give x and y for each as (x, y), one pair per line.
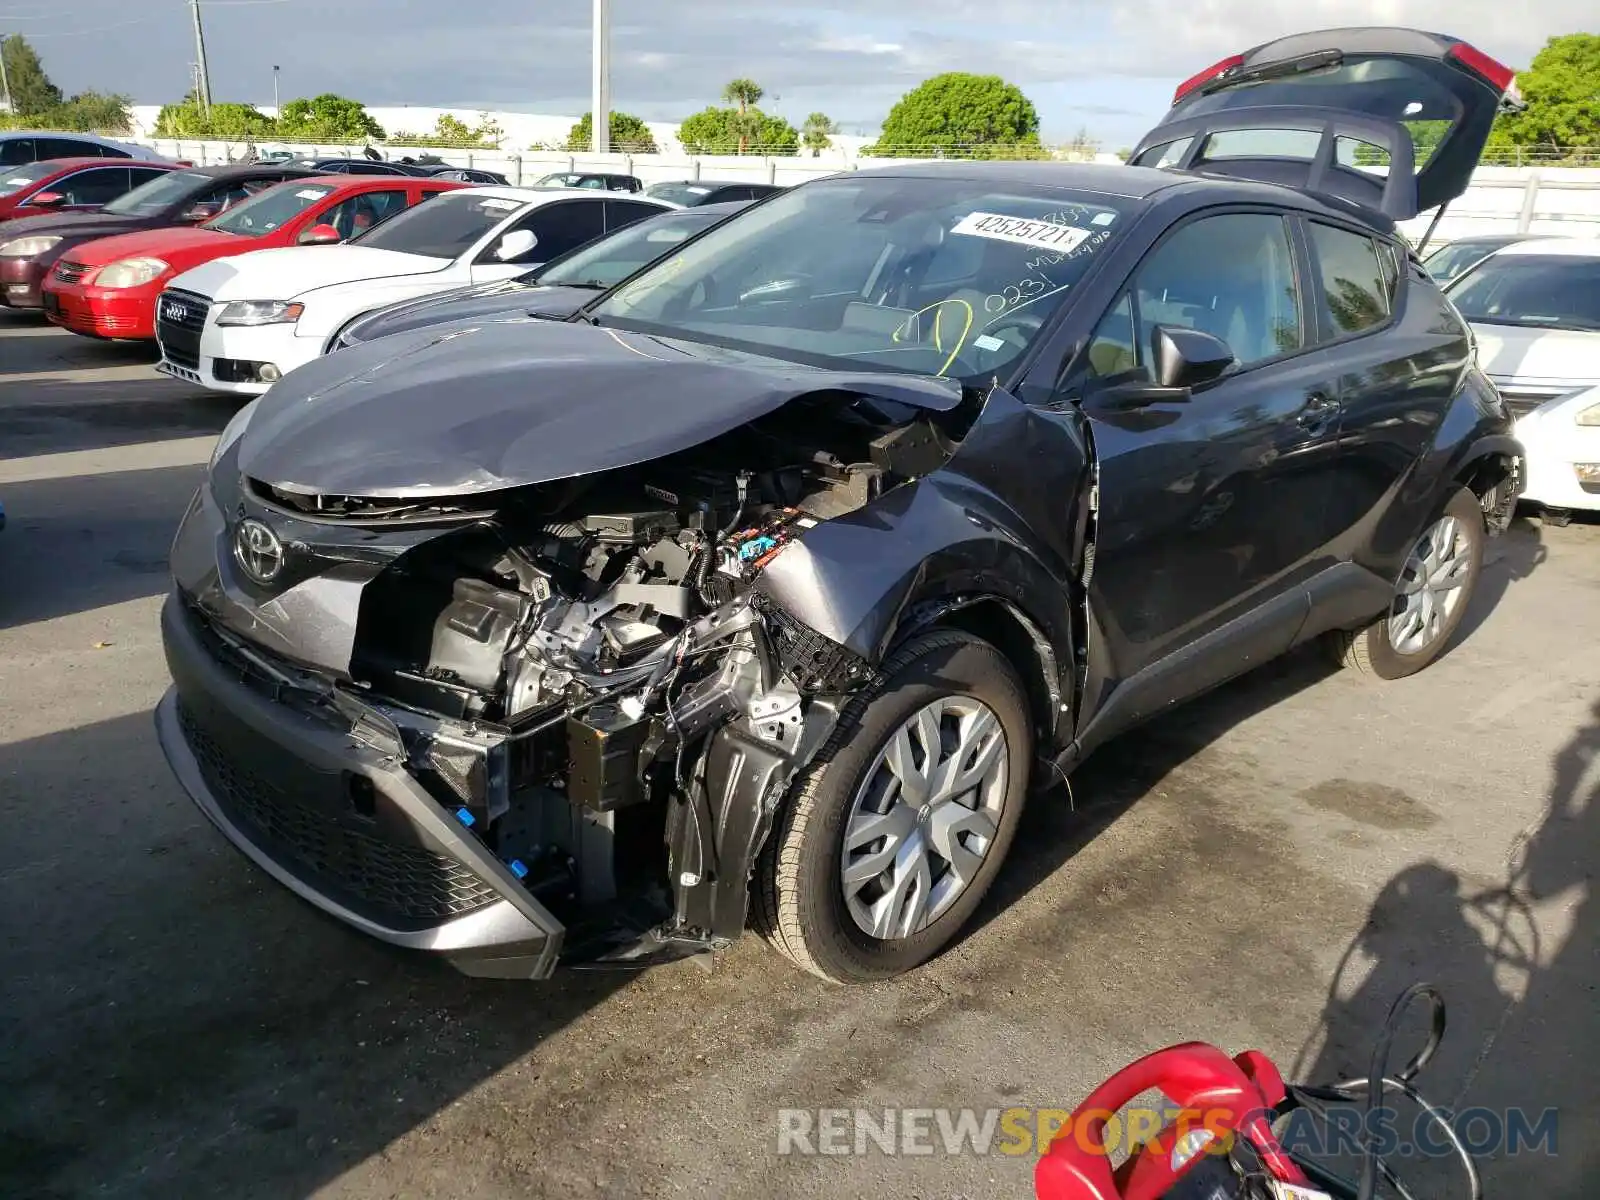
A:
(744, 568)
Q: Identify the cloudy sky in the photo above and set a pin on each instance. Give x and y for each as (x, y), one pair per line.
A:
(1085, 63)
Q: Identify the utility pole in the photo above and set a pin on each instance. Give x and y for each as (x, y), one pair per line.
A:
(277, 108)
(600, 137)
(5, 81)
(200, 55)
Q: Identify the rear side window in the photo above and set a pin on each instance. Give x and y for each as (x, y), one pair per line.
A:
(94, 188)
(1357, 284)
(17, 150)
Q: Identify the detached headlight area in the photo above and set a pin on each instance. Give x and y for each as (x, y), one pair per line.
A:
(27, 247)
(260, 312)
(129, 273)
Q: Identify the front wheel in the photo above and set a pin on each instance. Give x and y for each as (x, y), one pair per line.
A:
(1431, 597)
(898, 829)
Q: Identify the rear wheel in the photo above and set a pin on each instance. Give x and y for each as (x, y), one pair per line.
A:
(898, 829)
(1431, 597)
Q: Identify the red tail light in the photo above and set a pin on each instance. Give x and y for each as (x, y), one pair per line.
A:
(1198, 81)
(1481, 64)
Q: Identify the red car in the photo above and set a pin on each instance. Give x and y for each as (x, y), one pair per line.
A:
(108, 288)
(70, 184)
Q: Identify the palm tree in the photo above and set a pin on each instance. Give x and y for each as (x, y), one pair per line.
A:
(817, 133)
(744, 94)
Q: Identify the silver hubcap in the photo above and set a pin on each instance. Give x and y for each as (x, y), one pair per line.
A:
(924, 817)
(1431, 587)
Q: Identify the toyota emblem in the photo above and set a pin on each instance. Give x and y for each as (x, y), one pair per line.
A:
(258, 551)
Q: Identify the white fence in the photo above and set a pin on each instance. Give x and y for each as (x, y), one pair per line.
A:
(1556, 200)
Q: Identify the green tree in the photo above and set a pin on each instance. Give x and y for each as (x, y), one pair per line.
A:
(231, 122)
(1562, 90)
(327, 118)
(32, 93)
(816, 134)
(92, 112)
(959, 115)
(629, 134)
(744, 95)
(728, 131)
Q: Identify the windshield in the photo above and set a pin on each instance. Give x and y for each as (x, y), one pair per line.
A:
(446, 226)
(1451, 262)
(607, 261)
(14, 179)
(160, 193)
(687, 194)
(260, 215)
(931, 276)
(1556, 291)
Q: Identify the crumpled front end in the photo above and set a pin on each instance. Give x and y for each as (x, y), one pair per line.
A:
(547, 724)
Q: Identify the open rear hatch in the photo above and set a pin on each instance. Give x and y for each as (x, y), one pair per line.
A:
(1393, 119)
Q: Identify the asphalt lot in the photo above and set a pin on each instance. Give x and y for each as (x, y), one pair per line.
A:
(1267, 867)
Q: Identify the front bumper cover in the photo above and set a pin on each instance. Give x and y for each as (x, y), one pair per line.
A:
(341, 824)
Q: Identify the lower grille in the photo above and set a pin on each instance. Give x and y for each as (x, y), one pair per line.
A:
(391, 879)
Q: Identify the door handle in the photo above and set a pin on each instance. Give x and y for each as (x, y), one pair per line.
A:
(1318, 414)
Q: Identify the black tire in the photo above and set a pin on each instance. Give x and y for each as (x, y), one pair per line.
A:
(799, 903)
(1369, 651)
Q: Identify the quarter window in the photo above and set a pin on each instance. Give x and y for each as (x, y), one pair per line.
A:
(1355, 282)
(1231, 276)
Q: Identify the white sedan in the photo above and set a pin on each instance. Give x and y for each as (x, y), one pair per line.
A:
(1534, 308)
(270, 311)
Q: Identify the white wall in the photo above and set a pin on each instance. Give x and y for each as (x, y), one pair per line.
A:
(1557, 200)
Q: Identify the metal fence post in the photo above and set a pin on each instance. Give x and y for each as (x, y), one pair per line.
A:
(516, 160)
(1530, 198)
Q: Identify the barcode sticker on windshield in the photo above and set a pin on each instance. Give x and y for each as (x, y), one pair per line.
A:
(1021, 231)
(496, 204)
(310, 194)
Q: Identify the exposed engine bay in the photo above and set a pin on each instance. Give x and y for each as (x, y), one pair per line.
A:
(578, 641)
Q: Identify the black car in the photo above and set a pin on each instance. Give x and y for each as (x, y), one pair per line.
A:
(467, 175)
(761, 588)
(693, 192)
(556, 290)
(358, 166)
(31, 246)
(592, 179)
(1453, 260)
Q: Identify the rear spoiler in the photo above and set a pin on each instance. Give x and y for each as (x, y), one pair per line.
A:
(1230, 70)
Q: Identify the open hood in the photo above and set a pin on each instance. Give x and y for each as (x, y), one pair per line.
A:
(283, 274)
(1394, 119)
(466, 408)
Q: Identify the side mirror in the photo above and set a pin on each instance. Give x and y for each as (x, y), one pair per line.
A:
(47, 200)
(1180, 361)
(515, 244)
(320, 235)
(1187, 358)
(197, 213)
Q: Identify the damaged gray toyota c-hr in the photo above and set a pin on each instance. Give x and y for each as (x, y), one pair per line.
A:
(756, 590)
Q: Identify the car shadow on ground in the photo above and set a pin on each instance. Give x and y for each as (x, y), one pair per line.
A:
(1518, 963)
(58, 416)
(32, 345)
(173, 1023)
(1062, 818)
(87, 541)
